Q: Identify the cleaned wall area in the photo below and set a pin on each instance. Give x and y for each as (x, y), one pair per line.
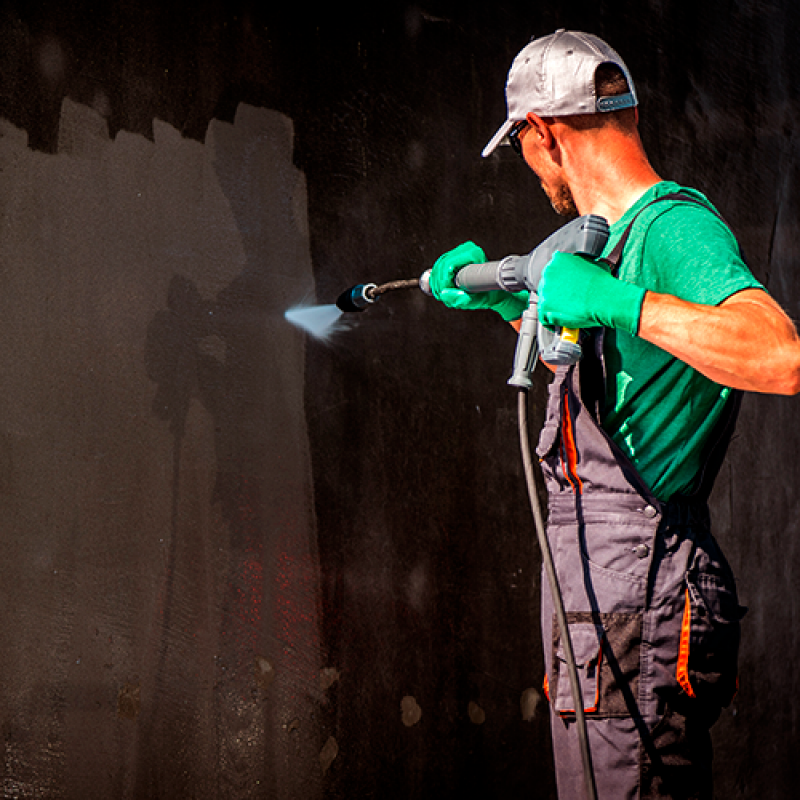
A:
(241, 562)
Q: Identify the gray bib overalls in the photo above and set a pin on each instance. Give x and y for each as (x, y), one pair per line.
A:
(650, 600)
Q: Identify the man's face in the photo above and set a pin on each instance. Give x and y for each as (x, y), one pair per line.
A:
(560, 196)
(549, 173)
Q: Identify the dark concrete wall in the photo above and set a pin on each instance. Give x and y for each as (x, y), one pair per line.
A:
(243, 563)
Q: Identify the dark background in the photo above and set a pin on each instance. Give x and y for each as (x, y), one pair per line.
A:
(240, 562)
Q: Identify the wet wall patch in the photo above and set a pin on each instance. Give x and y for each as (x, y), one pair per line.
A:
(160, 563)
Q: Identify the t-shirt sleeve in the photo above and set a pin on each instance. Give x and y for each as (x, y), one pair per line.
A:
(692, 254)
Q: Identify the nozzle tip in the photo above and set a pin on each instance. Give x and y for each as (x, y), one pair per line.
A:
(356, 298)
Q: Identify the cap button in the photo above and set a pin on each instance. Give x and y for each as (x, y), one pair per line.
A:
(649, 512)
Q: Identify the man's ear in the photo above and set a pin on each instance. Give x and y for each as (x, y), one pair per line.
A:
(541, 130)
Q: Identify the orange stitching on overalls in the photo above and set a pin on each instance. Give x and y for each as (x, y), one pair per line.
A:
(570, 448)
(683, 651)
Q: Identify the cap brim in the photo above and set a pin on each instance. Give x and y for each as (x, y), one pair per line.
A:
(498, 138)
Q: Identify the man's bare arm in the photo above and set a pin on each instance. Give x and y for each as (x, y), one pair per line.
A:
(747, 342)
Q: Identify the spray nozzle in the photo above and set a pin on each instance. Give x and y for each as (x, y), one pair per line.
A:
(357, 298)
(365, 294)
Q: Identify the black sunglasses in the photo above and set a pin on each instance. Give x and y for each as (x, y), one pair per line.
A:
(513, 137)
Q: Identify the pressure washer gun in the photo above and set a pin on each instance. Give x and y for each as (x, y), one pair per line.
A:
(586, 235)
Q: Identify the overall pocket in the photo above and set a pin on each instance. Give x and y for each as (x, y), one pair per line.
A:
(552, 422)
(607, 649)
(557, 448)
(710, 631)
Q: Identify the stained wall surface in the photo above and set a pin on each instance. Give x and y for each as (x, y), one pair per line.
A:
(241, 562)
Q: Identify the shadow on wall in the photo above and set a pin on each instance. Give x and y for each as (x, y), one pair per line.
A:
(160, 533)
(234, 354)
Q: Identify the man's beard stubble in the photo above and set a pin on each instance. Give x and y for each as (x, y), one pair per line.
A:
(561, 199)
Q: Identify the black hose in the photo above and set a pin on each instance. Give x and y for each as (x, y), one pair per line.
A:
(555, 591)
(370, 293)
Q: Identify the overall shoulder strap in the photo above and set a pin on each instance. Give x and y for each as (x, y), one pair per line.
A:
(614, 258)
(720, 437)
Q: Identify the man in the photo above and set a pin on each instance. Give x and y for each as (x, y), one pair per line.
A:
(674, 325)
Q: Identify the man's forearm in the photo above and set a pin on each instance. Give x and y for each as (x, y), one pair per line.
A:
(747, 342)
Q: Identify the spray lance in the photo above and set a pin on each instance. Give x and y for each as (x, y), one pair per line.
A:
(586, 235)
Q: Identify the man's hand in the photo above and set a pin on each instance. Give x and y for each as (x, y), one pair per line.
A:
(575, 292)
(442, 281)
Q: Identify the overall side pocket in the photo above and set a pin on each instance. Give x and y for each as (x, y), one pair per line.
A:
(607, 649)
(710, 631)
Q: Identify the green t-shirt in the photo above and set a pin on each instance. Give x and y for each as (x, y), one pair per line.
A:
(659, 410)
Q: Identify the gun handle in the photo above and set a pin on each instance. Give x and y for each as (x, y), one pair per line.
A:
(562, 348)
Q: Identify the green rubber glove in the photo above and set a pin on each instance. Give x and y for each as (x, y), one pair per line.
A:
(575, 292)
(442, 281)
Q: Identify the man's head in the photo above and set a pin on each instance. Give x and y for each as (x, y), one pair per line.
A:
(572, 116)
(564, 75)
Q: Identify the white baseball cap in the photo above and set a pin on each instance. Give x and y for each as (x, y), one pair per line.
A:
(554, 77)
